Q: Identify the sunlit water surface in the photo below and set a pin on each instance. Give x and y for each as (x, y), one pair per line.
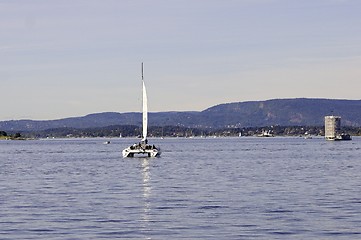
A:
(223, 188)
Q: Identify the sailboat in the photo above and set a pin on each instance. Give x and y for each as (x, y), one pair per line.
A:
(143, 148)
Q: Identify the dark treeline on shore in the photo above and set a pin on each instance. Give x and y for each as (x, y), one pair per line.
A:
(13, 136)
(177, 131)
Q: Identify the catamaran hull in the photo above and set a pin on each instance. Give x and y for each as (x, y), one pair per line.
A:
(140, 152)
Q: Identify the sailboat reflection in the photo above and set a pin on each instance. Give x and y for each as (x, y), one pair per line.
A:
(146, 193)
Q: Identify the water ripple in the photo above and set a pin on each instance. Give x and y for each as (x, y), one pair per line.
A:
(241, 188)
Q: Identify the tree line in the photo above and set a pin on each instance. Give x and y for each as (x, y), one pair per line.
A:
(5, 135)
(176, 131)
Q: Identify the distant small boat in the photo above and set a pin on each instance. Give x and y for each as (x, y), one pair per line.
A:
(143, 148)
(107, 142)
(343, 137)
(307, 136)
(266, 134)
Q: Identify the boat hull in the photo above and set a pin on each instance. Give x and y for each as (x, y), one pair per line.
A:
(147, 151)
(340, 137)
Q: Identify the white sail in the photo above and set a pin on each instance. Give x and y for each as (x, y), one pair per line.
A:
(145, 110)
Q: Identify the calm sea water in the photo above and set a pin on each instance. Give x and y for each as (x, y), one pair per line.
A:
(223, 188)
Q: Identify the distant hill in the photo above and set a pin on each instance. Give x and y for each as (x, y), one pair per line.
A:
(283, 112)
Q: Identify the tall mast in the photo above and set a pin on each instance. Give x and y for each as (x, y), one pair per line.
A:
(145, 109)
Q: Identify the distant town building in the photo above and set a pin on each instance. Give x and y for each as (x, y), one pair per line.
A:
(333, 129)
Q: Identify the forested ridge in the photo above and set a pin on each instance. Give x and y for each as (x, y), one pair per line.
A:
(241, 115)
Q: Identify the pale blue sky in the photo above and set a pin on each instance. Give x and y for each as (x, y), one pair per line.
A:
(65, 58)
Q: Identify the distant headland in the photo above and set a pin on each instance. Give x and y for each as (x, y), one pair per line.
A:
(237, 115)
